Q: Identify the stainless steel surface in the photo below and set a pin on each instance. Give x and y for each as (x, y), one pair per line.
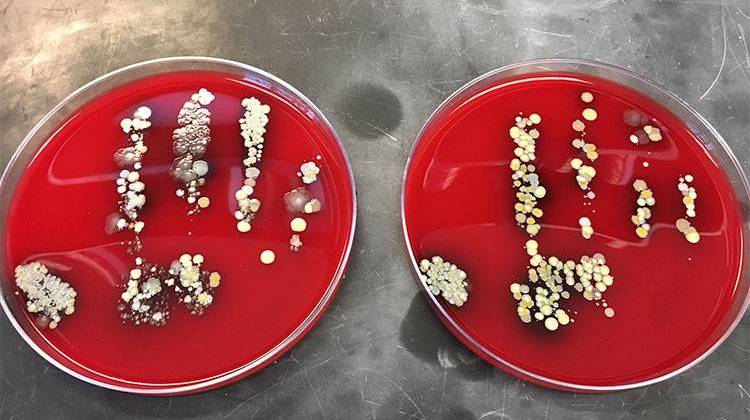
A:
(377, 70)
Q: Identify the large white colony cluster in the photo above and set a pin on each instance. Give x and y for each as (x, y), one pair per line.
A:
(46, 294)
(444, 279)
(253, 127)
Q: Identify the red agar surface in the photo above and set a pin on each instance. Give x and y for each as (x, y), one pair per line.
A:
(59, 210)
(670, 297)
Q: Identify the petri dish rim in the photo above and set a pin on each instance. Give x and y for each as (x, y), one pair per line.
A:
(41, 132)
(700, 127)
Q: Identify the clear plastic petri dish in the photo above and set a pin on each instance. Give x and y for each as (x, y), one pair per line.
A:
(672, 301)
(59, 189)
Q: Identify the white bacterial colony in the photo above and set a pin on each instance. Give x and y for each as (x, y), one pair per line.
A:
(444, 279)
(252, 129)
(46, 294)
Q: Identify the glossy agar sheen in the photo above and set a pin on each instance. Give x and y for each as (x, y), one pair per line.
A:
(58, 213)
(671, 299)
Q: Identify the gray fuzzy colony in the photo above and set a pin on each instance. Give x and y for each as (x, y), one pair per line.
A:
(190, 142)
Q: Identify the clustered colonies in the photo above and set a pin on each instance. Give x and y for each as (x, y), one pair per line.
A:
(298, 225)
(551, 279)
(190, 141)
(193, 285)
(308, 172)
(688, 194)
(645, 132)
(130, 186)
(688, 199)
(645, 135)
(145, 299)
(589, 149)
(143, 302)
(446, 279)
(46, 294)
(300, 200)
(148, 286)
(585, 173)
(525, 180)
(587, 230)
(642, 214)
(252, 128)
(548, 279)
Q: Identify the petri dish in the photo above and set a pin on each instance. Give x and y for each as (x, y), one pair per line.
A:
(59, 189)
(674, 302)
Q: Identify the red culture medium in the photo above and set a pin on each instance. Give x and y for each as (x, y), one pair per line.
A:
(60, 207)
(671, 298)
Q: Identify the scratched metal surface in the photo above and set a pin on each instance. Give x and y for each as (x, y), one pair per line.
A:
(377, 70)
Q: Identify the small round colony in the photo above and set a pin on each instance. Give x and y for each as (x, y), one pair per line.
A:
(46, 294)
(689, 195)
(252, 129)
(267, 257)
(528, 188)
(190, 141)
(444, 279)
(589, 114)
(130, 186)
(298, 224)
(645, 201)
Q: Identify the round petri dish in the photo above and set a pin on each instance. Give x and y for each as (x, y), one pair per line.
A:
(674, 301)
(59, 189)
